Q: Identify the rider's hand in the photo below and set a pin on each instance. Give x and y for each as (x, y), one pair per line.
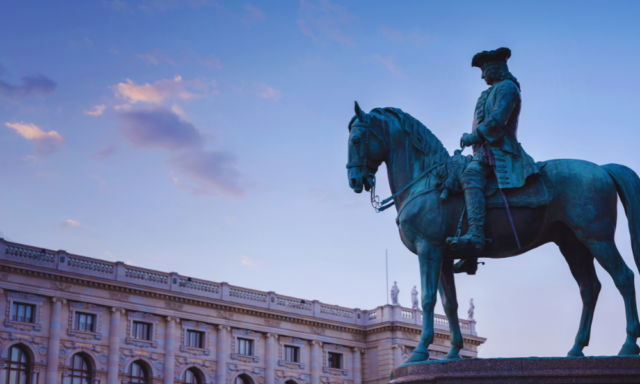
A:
(469, 139)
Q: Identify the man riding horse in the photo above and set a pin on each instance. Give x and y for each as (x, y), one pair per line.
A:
(494, 140)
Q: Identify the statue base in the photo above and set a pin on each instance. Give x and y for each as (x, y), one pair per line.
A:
(605, 369)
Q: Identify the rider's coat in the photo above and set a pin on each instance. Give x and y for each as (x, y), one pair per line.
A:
(496, 118)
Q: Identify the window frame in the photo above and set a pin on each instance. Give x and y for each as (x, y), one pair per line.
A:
(16, 306)
(340, 357)
(195, 326)
(197, 374)
(70, 374)
(294, 342)
(137, 379)
(88, 309)
(338, 350)
(199, 339)
(247, 335)
(295, 353)
(78, 316)
(242, 343)
(28, 365)
(145, 328)
(142, 317)
(28, 299)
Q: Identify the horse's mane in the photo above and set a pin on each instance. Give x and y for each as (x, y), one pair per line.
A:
(421, 137)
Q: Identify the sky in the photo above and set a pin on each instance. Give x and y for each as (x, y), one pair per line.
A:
(209, 138)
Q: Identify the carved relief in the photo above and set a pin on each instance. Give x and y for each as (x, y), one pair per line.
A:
(157, 357)
(173, 306)
(358, 337)
(272, 323)
(119, 296)
(279, 374)
(317, 330)
(410, 336)
(39, 340)
(60, 286)
(225, 315)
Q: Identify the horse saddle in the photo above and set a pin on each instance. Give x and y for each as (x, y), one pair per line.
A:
(537, 190)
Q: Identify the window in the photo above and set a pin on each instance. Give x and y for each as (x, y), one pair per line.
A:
(141, 331)
(291, 354)
(245, 347)
(80, 372)
(85, 322)
(335, 360)
(194, 339)
(192, 376)
(138, 373)
(17, 368)
(243, 379)
(23, 312)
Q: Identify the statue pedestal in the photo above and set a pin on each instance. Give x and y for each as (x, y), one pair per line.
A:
(614, 369)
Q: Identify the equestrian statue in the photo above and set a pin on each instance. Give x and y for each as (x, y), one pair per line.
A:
(511, 203)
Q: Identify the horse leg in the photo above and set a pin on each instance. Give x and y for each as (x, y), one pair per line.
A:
(609, 258)
(580, 262)
(430, 259)
(447, 290)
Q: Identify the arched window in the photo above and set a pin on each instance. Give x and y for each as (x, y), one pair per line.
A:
(138, 373)
(243, 379)
(80, 371)
(192, 376)
(17, 367)
(290, 382)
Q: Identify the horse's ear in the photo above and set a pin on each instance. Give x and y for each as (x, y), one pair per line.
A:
(359, 112)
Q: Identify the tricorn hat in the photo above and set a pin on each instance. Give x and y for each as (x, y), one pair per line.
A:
(497, 56)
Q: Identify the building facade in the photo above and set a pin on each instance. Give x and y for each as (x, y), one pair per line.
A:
(77, 320)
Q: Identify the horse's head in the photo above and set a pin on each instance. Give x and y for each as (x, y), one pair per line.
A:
(367, 149)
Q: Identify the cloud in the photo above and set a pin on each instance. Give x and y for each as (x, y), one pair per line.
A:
(123, 106)
(232, 220)
(37, 85)
(156, 57)
(267, 92)
(391, 65)
(97, 110)
(106, 153)
(161, 90)
(415, 37)
(46, 143)
(158, 127)
(211, 61)
(247, 262)
(324, 20)
(178, 110)
(212, 172)
(253, 14)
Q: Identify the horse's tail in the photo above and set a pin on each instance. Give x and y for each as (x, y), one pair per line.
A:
(628, 186)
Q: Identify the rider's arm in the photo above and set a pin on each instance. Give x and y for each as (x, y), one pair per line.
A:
(507, 95)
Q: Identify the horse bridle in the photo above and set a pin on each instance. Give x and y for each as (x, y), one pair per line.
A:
(378, 205)
(369, 176)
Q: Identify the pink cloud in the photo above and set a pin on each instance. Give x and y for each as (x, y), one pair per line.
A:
(253, 14)
(97, 110)
(391, 65)
(267, 92)
(157, 92)
(46, 142)
(326, 20)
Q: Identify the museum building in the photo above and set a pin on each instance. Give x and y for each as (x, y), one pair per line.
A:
(77, 320)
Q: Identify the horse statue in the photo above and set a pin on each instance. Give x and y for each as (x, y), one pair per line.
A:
(580, 219)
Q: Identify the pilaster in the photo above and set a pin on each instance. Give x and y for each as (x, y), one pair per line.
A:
(54, 341)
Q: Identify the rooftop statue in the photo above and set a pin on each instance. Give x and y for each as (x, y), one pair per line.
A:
(511, 203)
(395, 291)
(414, 298)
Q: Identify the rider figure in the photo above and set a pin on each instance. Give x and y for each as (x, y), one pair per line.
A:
(494, 133)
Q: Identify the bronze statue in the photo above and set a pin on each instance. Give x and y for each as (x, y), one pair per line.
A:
(572, 203)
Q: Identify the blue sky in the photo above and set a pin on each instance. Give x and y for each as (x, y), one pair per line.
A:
(209, 138)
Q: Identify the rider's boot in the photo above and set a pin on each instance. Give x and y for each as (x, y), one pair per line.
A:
(474, 199)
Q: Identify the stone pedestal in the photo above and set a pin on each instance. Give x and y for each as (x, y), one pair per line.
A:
(538, 370)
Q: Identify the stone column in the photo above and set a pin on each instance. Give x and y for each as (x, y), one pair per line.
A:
(170, 350)
(222, 350)
(114, 346)
(271, 358)
(397, 355)
(357, 366)
(316, 361)
(54, 341)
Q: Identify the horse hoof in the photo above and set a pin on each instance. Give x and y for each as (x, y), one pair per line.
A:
(576, 351)
(453, 356)
(418, 356)
(629, 349)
